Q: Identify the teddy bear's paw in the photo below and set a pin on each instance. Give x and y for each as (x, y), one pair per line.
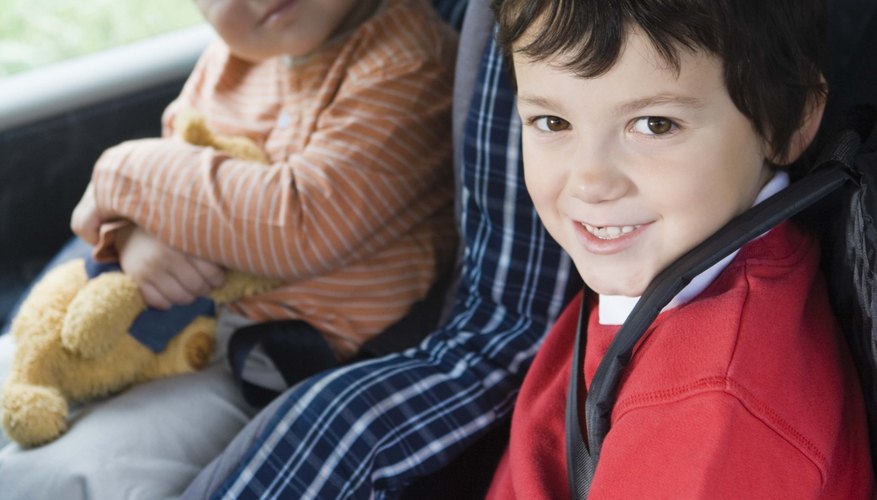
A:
(238, 284)
(199, 349)
(191, 350)
(33, 415)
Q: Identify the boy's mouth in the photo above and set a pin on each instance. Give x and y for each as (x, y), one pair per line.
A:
(276, 9)
(609, 232)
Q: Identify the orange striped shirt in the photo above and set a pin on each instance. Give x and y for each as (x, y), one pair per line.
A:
(354, 211)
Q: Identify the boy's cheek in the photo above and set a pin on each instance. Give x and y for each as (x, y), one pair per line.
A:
(541, 186)
(542, 169)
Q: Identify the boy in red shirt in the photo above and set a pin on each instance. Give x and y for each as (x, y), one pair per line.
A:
(648, 125)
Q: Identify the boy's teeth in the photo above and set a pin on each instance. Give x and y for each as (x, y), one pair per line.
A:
(608, 232)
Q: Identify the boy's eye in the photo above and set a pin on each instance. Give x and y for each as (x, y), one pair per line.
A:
(653, 125)
(550, 123)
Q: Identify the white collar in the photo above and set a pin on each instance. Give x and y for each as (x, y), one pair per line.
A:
(614, 309)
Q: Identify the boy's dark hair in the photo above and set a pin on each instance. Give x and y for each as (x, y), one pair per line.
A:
(771, 49)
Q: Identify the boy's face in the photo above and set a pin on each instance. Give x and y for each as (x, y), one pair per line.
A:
(631, 169)
(256, 30)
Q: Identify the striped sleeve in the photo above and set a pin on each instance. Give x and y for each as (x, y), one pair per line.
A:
(368, 430)
(369, 174)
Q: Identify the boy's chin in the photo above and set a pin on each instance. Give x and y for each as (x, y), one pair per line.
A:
(627, 277)
(606, 285)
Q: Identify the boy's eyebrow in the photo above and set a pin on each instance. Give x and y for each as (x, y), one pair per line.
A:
(626, 108)
(538, 101)
(638, 104)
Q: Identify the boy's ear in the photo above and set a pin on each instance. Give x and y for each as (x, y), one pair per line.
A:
(807, 132)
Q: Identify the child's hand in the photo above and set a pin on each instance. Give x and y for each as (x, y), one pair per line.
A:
(85, 221)
(166, 276)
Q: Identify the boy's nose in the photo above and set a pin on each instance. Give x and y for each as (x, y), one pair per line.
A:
(596, 179)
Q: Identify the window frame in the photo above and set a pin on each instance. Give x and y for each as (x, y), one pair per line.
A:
(68, 85)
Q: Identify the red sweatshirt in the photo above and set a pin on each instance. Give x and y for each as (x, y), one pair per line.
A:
(745, 392)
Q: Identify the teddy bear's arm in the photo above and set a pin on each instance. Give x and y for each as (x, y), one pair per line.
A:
(238, 285)
(101, 313)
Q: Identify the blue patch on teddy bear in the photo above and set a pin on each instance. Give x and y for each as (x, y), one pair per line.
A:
(154, 328)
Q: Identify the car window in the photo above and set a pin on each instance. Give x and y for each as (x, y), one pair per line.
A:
(35, 33)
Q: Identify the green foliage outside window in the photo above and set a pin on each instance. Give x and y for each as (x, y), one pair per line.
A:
(38, 32)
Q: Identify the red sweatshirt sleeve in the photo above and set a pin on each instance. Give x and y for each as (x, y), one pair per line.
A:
(706, 446)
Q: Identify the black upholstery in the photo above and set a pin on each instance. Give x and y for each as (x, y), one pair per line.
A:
(44, 168)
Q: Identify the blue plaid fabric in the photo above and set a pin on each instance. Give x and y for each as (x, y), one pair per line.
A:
(367, 430)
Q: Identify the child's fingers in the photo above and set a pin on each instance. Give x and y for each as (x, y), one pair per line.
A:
(213, 274)
(179, 290)
(153, 297)
(166, 288)
(189, 278)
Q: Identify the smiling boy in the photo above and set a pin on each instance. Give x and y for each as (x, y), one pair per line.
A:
(647, 126)
(619, 188)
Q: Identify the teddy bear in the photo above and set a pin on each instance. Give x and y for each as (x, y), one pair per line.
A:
(72, 332)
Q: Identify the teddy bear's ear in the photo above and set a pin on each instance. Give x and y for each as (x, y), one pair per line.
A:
(190, 127)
